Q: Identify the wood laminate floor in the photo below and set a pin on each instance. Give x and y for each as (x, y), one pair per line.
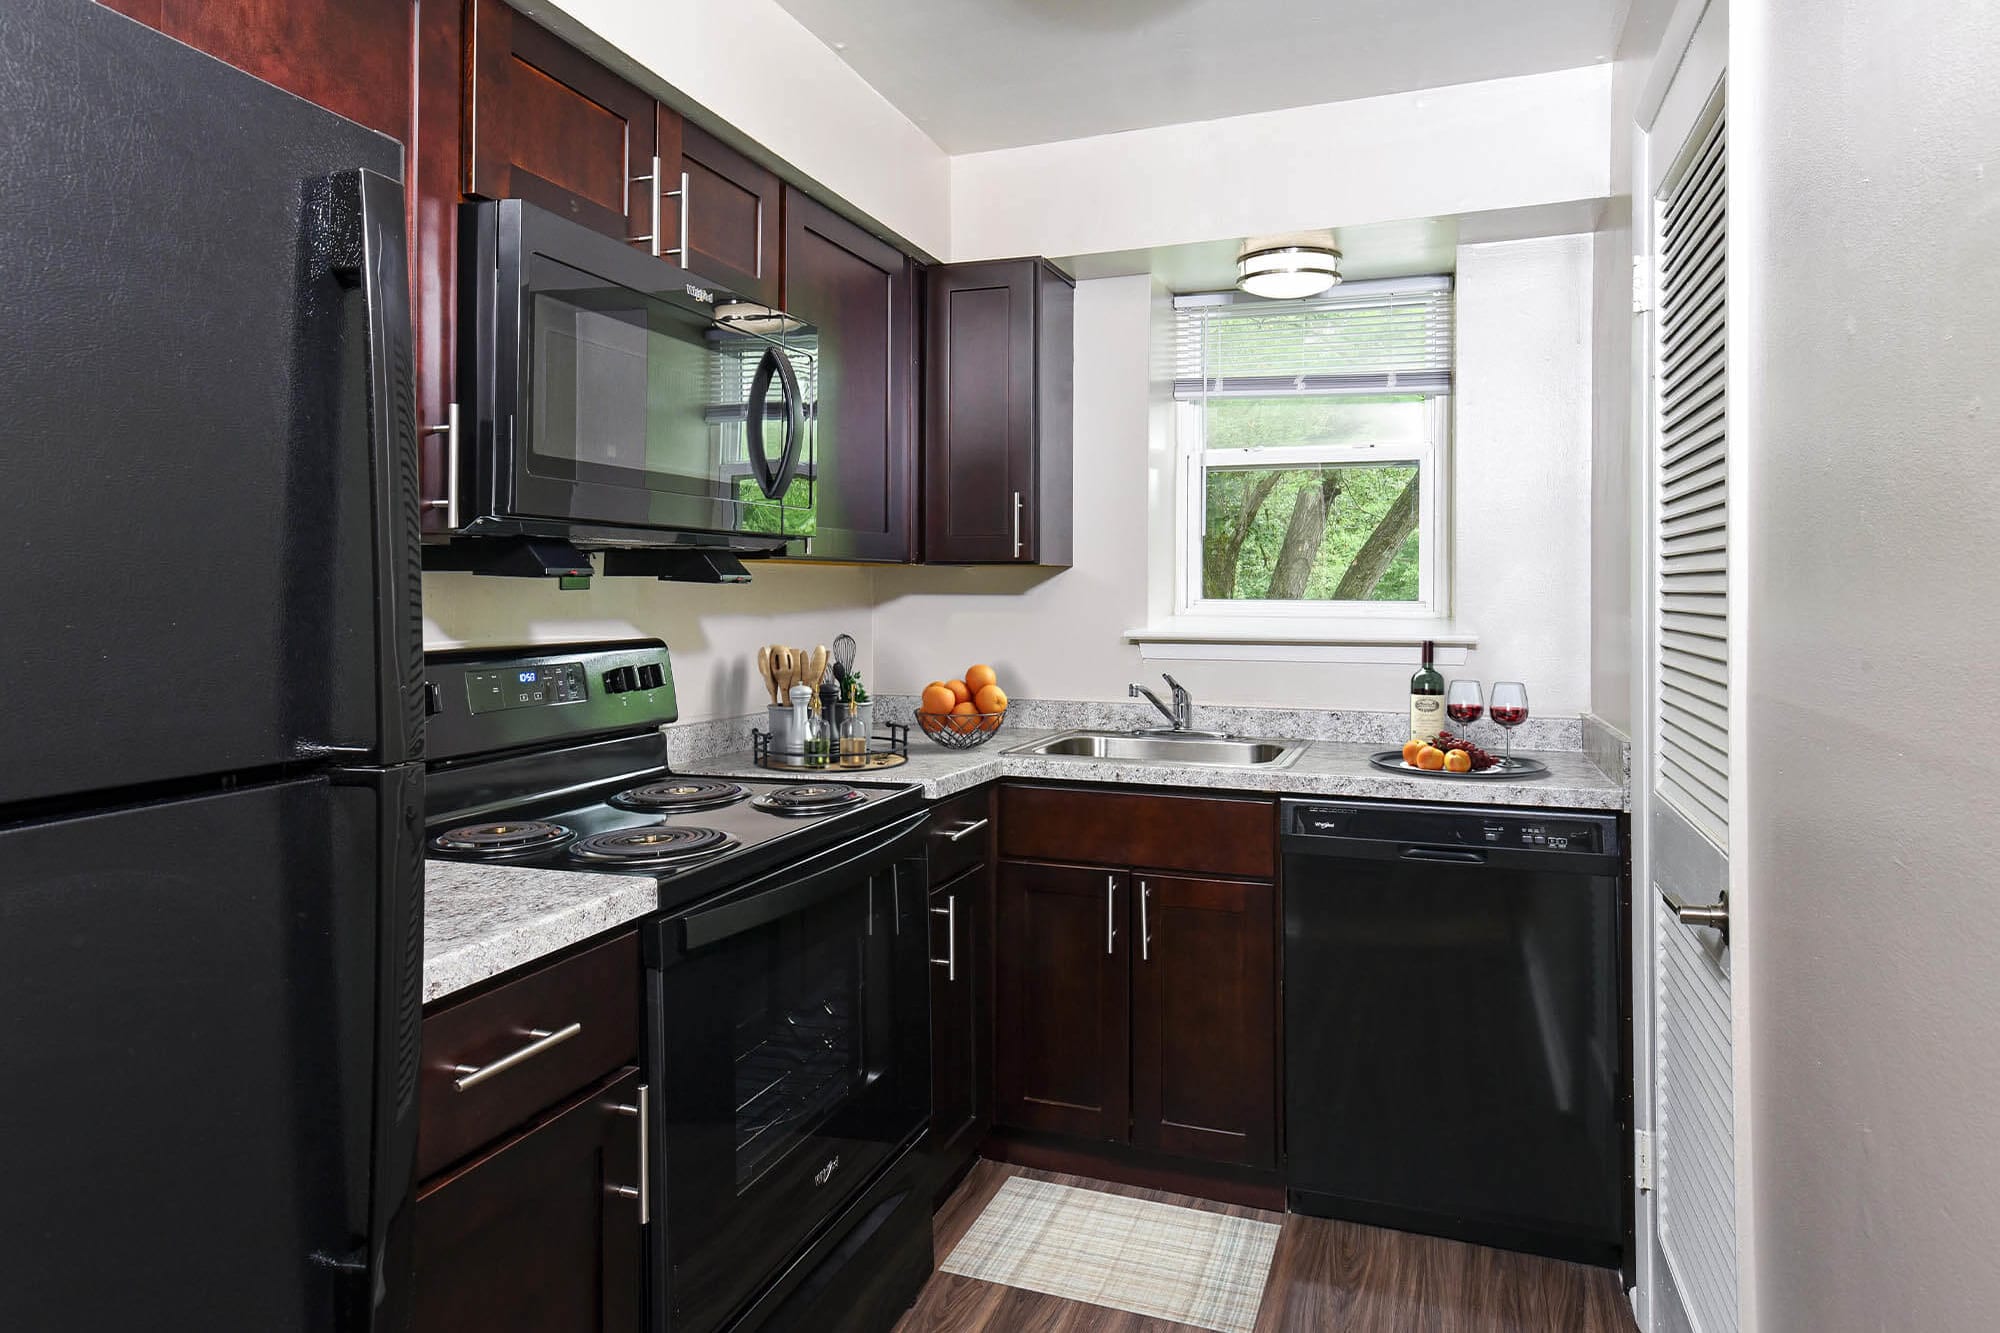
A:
(1332, 1276)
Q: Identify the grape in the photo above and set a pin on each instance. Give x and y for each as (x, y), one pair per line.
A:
(1481, 760)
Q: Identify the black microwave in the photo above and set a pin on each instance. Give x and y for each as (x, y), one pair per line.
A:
(611, 399)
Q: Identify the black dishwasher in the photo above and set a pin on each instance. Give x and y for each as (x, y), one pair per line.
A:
(1456, 1023)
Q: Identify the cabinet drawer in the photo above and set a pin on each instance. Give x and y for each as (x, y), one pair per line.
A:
(961, 833)
(1211, 835)
(596, 992)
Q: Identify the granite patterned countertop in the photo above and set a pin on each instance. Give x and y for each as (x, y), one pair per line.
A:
(482, 920)
(1327, 768)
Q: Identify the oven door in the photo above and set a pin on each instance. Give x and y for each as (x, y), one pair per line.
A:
(789, 1040)
(610, 396)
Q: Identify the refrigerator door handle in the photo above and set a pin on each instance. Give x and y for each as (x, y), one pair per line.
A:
(365, 213)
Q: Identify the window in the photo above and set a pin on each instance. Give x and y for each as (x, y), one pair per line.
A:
(1312, 444)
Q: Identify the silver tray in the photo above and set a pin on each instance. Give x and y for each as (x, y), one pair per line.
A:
(1391, 761)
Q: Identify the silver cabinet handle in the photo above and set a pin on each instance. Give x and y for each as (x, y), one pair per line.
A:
(967, 830)
(1702, 916)
(682, 248)
(651, 238)
(950, 914)
(1110, 910)
(1017, 525)
(1145, 927)
(643, 1191)
(471, 1076)
(450, 432)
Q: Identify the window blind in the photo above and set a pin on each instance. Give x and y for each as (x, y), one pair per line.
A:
(1389, 336)
(1693, 462)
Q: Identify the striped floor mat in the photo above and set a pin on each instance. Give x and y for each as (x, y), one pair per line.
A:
(1153, 1259)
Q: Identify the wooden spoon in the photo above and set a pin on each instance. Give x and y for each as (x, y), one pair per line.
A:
(764, 672)
(818, 668)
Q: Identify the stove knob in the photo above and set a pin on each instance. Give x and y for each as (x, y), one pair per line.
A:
(651, 677)
(620, 679)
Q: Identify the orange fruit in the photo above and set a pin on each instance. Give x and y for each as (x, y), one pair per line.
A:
(1430, 757)
(931, 723)
(960, 690)
(978, 678)
(1411, 748)
(1457, 761)
(938, 698)
(990, 699)
(965, 718)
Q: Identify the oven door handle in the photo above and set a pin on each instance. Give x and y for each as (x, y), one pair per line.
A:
(788, 892)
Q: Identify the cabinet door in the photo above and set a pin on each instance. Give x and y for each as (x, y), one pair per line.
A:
(961, 1058)
(856, 292)
(979, 419)
(546, 123)
(733, 211)
(1062, 1040)
(1205, 1018)
(536, 1234)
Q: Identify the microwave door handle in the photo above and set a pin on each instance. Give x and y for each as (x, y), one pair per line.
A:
(795, 424)
(771, 365)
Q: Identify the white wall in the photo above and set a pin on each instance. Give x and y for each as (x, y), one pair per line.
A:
(1504, 143)
(755, 69)
(1865, 193)
(1522, 530)
(713, 631)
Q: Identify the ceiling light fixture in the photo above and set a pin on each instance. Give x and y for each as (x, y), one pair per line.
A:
(1288, 271)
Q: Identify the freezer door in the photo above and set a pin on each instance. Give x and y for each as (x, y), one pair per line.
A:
(210, 1047)
(207, 499)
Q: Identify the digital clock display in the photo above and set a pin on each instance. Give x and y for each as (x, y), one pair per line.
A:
(530, 677)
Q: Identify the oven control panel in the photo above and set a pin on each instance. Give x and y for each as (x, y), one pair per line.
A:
(526, 687)
(486, 700)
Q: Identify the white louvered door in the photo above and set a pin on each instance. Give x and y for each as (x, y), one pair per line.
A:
(1688, 802)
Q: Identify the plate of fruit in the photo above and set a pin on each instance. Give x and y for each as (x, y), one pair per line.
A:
(964, 711)
(1452, 756)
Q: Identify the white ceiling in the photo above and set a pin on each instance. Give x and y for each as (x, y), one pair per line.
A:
(979, 74)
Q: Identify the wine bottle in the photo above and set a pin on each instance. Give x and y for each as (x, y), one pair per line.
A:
(1427, 699)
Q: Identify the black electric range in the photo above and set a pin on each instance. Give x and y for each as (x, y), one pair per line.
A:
(552, 757)
(787, 978)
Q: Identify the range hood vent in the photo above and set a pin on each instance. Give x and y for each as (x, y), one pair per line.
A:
(510, 557)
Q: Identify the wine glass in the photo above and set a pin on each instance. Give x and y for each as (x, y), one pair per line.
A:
(1510, 710)
(1464, 706)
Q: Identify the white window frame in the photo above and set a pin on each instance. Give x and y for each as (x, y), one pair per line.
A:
(1432, 456)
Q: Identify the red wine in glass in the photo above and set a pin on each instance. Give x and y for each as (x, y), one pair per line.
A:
(1463, 705)
(1510, 710)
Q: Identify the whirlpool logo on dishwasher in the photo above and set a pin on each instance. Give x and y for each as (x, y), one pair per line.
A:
(825, 1173)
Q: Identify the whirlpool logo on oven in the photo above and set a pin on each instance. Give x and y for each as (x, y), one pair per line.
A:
(825, 1173)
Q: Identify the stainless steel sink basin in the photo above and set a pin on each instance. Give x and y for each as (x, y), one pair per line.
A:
(1167, 748)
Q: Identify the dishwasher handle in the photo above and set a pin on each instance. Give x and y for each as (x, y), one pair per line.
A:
(1444, 855)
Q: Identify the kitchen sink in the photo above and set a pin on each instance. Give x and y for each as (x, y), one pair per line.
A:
(1167, 748)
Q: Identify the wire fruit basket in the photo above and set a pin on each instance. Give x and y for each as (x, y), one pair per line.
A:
(960, 731)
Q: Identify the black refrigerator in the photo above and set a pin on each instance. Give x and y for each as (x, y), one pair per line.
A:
(211, 710)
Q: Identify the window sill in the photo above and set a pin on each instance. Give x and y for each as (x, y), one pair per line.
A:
(1302, 640)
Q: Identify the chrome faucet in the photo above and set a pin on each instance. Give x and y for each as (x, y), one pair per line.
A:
(1182, 712)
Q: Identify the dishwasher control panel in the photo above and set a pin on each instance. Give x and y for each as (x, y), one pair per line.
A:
(1446, 826)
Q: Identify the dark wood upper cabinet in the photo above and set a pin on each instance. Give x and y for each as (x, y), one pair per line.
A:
(858, 292)
(734, 211)
(539, 1233)
(546, 123)
(1204, 1019)
(1061, 1001)
(998, 371)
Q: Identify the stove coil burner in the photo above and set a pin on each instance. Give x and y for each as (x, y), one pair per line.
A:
(674, 794)
(514, 837)
(809, 798)
(651, 844)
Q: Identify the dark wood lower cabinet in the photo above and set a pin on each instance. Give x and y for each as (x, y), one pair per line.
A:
(1062, 1001)
(536, 1234)
(961, 1018)
(1204, 1019)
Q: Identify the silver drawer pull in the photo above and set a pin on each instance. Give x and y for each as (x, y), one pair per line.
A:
(471, 1076)
(950, 960)
(643, 1190)
(967, 830)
